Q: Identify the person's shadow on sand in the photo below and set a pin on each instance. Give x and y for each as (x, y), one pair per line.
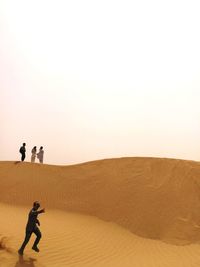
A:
(17, 162)
(29, 262)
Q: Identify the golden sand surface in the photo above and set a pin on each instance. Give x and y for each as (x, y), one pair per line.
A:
(125, 212)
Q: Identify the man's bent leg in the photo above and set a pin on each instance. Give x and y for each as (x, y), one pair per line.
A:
(27, 237)
(39, 235)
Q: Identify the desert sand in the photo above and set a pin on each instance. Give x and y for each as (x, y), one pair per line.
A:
(125, 212)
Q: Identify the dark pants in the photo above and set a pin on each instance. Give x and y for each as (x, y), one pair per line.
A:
(23, 156)
(37, 232)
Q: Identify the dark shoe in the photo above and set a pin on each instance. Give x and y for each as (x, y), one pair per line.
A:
(20, 252)
(36, 249)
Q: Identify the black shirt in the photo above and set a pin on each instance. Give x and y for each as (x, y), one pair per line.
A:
(22, 149)
(32, 219)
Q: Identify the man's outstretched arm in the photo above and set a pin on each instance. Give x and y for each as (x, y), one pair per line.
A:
(36, 212)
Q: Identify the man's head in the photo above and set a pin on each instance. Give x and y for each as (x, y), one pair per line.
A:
(36, 205)
(24, 144)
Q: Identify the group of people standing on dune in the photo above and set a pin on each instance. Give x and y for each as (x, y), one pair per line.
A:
(34, 154)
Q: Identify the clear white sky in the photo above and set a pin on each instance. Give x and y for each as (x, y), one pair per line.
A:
(99, 79)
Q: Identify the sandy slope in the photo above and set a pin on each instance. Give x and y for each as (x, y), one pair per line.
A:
(148, 213)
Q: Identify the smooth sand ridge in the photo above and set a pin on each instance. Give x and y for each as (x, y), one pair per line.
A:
(152, 197)
(157, 199)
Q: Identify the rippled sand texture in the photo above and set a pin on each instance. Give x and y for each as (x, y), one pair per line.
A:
(141, 212)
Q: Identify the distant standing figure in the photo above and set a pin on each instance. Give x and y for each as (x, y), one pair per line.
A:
(23, 151)
(40, 154)
(34, 152)
(31, 227)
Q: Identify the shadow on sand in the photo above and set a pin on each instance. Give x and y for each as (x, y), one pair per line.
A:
(25, 262)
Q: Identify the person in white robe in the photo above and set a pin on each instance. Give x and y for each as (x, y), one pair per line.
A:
(33, 154)
(40, 155)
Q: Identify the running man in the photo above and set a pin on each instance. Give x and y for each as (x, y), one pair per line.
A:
(32, 227)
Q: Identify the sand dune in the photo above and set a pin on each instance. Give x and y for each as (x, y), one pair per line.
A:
(117, 212)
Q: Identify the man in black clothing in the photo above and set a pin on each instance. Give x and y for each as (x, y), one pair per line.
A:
(23, 151)
(31, 227)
